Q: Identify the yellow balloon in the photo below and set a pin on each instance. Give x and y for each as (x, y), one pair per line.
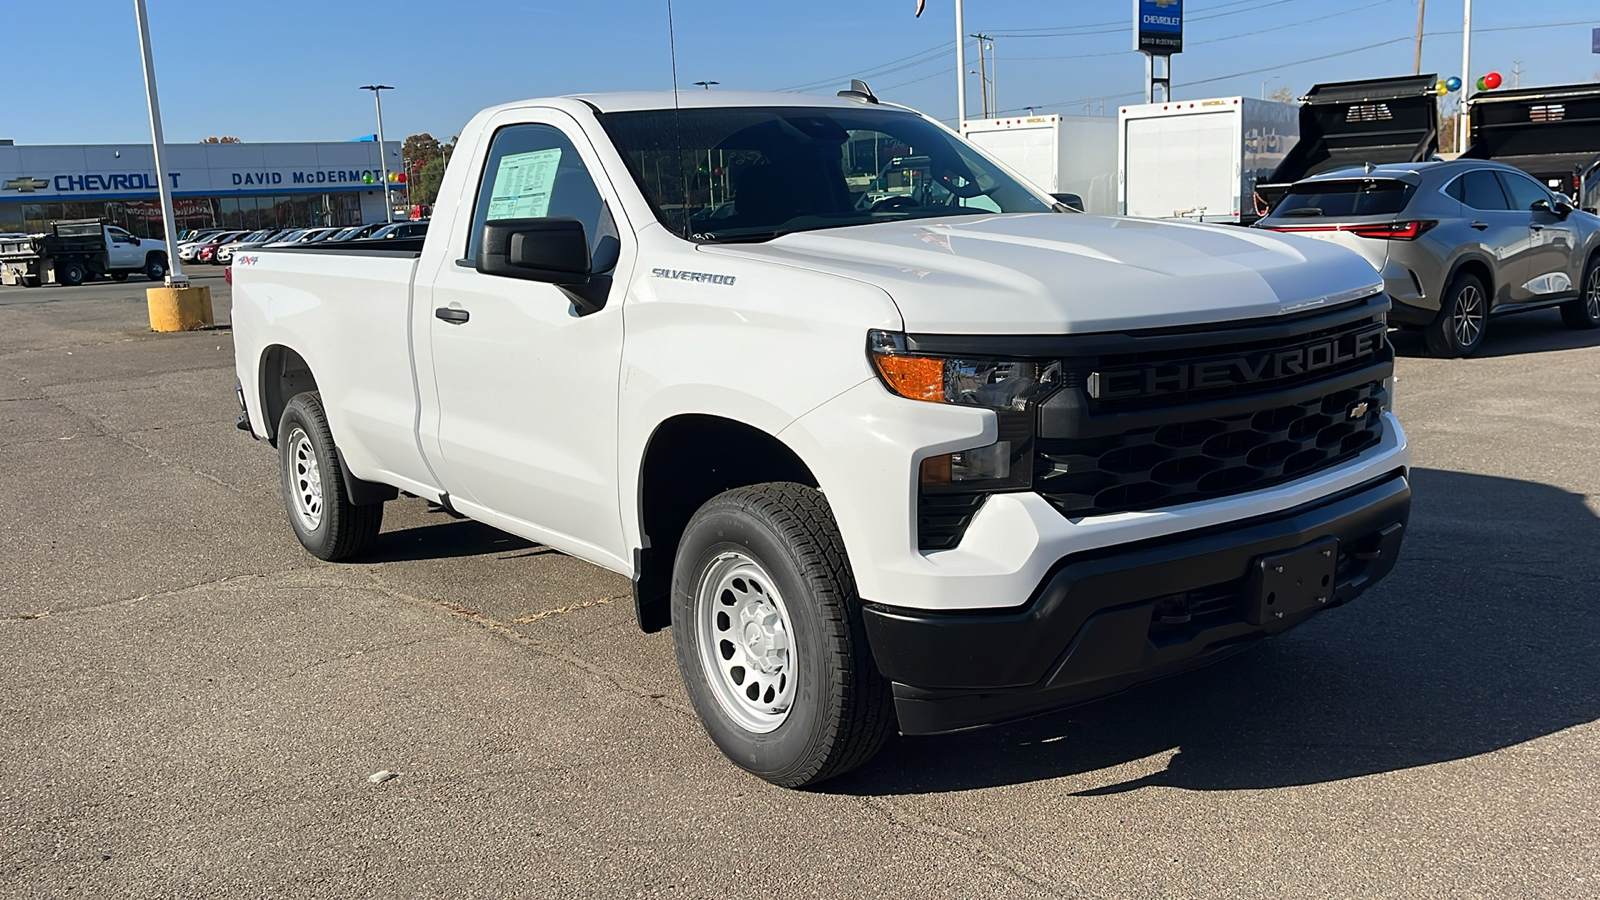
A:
(1441, 89)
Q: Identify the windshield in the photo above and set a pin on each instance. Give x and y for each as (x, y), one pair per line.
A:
(750, 174)
(1333, 199)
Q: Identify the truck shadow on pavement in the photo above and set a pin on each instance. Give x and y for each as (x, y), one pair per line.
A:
(1540, 331)
(448, 539)
(1483, 638)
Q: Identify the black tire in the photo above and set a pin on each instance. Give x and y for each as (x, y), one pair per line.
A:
(119, 276)
(1584, 313)
(841, 709)
(1462, 321)
(314, 496)
(155, 267)
(71, 273)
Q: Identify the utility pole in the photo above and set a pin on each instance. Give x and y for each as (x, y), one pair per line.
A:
(994, 79)
(983, 74)
(383, 151)
(1422, 7)
(1516, 73)
(706, 84)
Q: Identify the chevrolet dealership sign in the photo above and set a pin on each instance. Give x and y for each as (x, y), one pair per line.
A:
(1158, 26)
(113, 172)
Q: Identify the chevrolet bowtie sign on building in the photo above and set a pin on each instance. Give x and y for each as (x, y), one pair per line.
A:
(25, 185)
(1158, 26)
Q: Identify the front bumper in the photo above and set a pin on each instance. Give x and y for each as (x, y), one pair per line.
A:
(1103, 621)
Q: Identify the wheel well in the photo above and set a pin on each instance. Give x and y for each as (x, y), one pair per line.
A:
(1474, 267)
(283, 375)
(689, 460)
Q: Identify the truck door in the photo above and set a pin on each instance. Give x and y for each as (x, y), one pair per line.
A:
(527, 386)
(123, 249)
(1553, 267)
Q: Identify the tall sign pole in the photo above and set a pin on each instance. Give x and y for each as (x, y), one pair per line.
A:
(961, 68)
(175, 276)
(1158, 31)
(1463, 121)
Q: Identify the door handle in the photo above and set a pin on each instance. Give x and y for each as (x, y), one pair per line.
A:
(453, 316)
(1480, 225)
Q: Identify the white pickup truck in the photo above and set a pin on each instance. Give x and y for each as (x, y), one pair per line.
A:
(890, 440)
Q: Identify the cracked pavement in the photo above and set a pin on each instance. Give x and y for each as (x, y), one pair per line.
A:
(190, 705)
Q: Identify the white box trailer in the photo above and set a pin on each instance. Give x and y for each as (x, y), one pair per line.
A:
(1058, 154)
(1201, 159)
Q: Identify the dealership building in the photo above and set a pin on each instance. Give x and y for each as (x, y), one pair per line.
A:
(213, 185)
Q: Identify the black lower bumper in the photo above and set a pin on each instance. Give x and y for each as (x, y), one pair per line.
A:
(1103, 621)
(1405, 314)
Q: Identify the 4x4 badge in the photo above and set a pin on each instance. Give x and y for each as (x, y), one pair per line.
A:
(26, 185)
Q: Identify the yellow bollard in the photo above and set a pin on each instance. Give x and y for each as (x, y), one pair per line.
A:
(179, 308)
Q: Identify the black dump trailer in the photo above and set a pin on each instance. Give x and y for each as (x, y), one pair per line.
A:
(1350, 123)
(71, 253)
(1552, 133)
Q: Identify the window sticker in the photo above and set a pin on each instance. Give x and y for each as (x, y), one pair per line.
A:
(522, 184)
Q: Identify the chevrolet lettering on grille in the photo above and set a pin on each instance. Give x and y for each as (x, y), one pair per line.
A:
(1230, 371)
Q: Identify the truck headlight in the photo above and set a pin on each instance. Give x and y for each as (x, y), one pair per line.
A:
(1009, 387)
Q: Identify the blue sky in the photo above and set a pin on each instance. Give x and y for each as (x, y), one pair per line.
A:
(289, 69)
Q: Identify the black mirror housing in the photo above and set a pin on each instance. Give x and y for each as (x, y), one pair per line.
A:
(554, 250)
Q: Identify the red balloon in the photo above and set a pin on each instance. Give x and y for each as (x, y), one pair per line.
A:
(1492, 80)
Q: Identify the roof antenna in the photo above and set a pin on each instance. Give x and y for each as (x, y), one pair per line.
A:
(677, 121)
(859, 91)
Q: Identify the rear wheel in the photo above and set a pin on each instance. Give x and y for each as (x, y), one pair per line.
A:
(1584, 312)
(769, 639)
(1463, 317)
(324, 519)
(71, 274)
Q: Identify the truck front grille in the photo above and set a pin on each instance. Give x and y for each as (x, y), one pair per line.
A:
(1202, 458)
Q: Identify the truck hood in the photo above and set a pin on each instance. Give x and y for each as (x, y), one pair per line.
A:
(1058, 273)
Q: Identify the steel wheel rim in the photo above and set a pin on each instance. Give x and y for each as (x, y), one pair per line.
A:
(307, 480)
(1468, 317)
(746, 642)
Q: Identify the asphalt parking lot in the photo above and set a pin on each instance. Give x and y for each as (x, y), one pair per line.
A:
(190, 705)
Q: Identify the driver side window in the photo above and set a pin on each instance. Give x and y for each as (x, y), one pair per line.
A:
(534, 172)
(1523, 191)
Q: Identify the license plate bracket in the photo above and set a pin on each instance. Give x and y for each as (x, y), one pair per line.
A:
(1286, 584)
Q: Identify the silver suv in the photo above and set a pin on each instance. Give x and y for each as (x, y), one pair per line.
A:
(1456, 242)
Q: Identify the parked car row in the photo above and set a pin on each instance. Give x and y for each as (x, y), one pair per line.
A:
(217, 246)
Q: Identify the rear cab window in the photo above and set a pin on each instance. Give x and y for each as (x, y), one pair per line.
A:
(1345, 198)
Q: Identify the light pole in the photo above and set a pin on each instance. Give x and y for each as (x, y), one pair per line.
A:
(383, 153)
(175, 276)
(961, 68)
(1264, 86)
(707, 84)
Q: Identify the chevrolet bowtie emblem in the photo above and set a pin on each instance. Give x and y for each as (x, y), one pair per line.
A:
(1359, 410)
(1163, 4)
(26, 185)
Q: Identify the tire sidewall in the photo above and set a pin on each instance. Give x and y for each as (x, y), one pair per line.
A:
(720, 528)
(296, 417)
(155, 268)
(73, 274)
(1591, 279)
(1446, 321)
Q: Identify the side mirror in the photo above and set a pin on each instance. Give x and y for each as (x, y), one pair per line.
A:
(1563, 208)
(1070, 200)
(135, 241)
(553, 250)
(1559, 208)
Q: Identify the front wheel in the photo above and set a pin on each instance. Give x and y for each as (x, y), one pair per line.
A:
(1463, 318)
(155, 267)
(767, 627)
(1584, 312)
(324, 519)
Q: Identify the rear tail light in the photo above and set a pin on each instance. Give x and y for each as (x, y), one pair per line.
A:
(1389, 231)
(1393, 231)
